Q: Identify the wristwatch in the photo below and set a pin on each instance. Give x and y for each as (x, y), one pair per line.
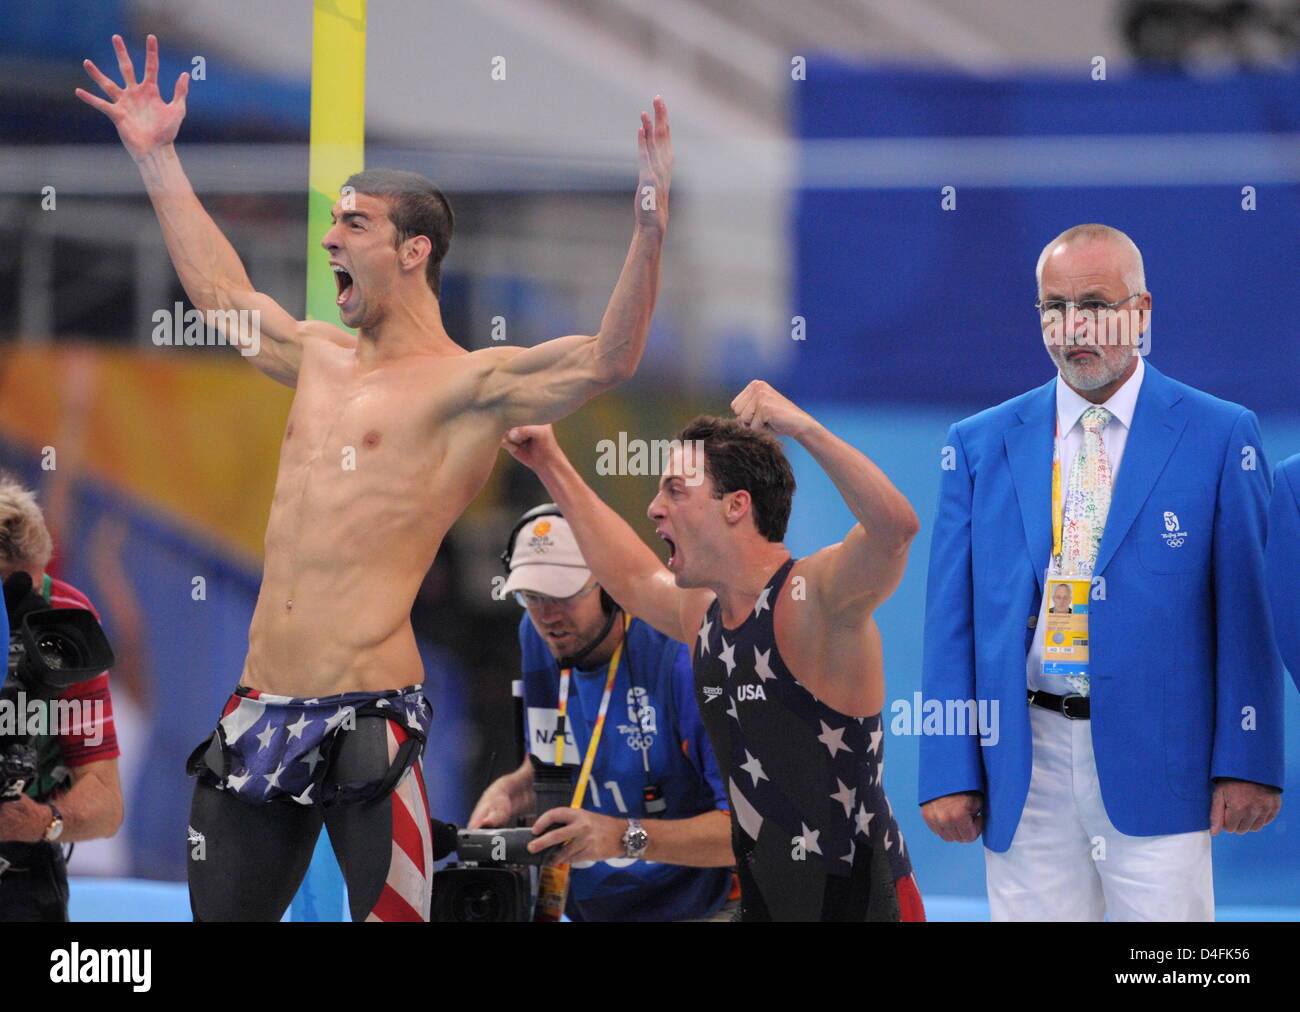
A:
(635, 840)
(55, 829)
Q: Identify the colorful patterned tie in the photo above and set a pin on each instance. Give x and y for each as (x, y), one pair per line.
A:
(1087, 501)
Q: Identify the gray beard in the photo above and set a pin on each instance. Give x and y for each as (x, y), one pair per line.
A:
(1089, 383)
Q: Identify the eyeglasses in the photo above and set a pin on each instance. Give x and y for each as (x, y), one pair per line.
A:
(1045, 306)
(527, 598)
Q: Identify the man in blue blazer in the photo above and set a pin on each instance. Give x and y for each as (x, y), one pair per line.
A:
(1153, 717)
(1282, 561)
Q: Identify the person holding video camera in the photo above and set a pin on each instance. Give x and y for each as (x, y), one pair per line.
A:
(58, 774)
(652, 838)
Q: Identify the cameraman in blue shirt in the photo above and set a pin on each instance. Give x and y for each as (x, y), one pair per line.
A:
(652, 840)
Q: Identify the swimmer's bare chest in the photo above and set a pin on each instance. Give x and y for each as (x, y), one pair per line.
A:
(375, 466)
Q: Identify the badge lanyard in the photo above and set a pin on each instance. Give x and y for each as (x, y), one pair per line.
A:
(1065, 636)
(553, 880)
(1058, 507)
(593, 744)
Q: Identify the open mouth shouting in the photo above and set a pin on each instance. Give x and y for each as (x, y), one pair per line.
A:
(344, 281)
(672, 548)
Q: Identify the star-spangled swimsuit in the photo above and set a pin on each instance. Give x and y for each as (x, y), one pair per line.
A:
(279, 747)
(814, 835)
(277, 769)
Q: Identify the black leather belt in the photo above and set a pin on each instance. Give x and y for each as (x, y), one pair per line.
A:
(1073, 706)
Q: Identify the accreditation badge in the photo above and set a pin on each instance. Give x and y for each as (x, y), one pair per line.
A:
(1065, 637)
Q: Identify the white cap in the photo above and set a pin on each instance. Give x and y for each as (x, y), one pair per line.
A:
(545, 559)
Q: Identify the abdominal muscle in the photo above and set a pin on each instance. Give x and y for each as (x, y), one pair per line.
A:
(346, 552)
(348, 633)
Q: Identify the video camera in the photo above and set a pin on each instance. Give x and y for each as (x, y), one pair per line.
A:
(50, 650)
(495, 879)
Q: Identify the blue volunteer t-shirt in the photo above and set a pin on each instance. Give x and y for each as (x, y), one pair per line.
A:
(653, 707)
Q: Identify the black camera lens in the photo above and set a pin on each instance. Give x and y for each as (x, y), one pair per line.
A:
(467, 894)
(482, 905)
(58, 652)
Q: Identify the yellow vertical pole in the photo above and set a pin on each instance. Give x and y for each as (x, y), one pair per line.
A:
(338, 130)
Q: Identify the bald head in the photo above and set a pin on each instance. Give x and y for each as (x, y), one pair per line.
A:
(1094, 348)
(1131, 270)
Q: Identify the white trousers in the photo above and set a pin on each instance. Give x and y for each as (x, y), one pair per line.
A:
(1067, 862)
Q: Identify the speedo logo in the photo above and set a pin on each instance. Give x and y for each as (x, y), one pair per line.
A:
(712, 692)
(744, 692)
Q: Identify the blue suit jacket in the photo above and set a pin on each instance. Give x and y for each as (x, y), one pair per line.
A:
(1186, 681)
(1282, 559)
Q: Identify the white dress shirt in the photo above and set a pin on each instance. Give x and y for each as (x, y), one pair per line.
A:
(1070, 407)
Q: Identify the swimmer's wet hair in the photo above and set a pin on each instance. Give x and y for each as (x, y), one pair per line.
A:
(738, 458)
(24, 540)
(415, 207)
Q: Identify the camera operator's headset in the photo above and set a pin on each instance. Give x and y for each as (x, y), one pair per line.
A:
(607, 603)
(652, 794)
